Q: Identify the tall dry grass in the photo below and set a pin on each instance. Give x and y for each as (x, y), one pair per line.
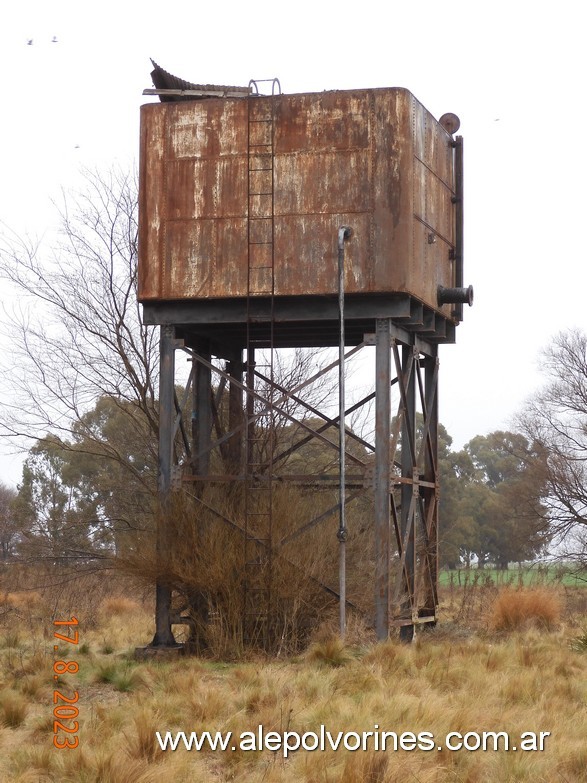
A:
(450, 679)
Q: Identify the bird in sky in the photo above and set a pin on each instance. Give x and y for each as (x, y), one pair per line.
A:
(29, 42)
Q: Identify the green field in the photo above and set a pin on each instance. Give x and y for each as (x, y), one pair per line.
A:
(526, 576)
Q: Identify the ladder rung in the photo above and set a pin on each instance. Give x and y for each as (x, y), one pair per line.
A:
(260, 158)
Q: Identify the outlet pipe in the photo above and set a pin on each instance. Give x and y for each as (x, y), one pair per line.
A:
(455, 295)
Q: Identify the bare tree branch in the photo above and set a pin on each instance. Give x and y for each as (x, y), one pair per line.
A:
(74, 327)
(556, 419)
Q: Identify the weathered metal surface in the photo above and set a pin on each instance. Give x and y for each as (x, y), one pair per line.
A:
(171, 88)
(375, 160)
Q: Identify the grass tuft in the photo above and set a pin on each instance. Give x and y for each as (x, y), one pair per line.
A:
(330, 652)
(365, 767)
(11, 640)
(518, 609)
(116, 768)
(143, 743)
(121, 675)
(13, 709)
(579, 643)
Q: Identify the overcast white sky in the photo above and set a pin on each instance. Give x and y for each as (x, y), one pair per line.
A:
(514, 72)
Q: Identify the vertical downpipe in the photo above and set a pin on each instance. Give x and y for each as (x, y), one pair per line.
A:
(344, 233)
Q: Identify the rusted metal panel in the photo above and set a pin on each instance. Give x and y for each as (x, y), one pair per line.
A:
(319, 122)
(198, 189)
(328, 183)
(205, 129)
(227, 181)
(207, 249)
(151, 199)
(308, 244)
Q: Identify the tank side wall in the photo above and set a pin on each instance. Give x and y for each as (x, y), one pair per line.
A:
(432, 170)
(372, 159)
(151, 194)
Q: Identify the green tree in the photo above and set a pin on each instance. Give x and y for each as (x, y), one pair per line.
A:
(58, 520)
(112, 459)
(504, 497)
(457, 524)
(81, 497)
(10, 532)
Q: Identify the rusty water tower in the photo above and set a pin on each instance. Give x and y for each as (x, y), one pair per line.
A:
(321, 219)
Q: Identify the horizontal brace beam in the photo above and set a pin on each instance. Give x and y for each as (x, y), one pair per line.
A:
(285, 309)
(412, 621)
(218, 93)
(405, 337)
(273, 405)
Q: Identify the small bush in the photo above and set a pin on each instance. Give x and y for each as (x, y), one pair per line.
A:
(516, 609)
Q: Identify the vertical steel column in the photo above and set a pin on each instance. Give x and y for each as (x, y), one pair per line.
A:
(250, 408)
(431, 495)
(202, 412)
(409, 488)
(382, 468)
(163, 635)
(235, 414)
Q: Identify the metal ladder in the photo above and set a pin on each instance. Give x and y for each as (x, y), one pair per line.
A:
(258, 502)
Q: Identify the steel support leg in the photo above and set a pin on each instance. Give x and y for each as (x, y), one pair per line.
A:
(250, 407)
(408, 490)
(382, 471)
(431, 495)
(163, 635)
(202, 413)
(235, 415)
